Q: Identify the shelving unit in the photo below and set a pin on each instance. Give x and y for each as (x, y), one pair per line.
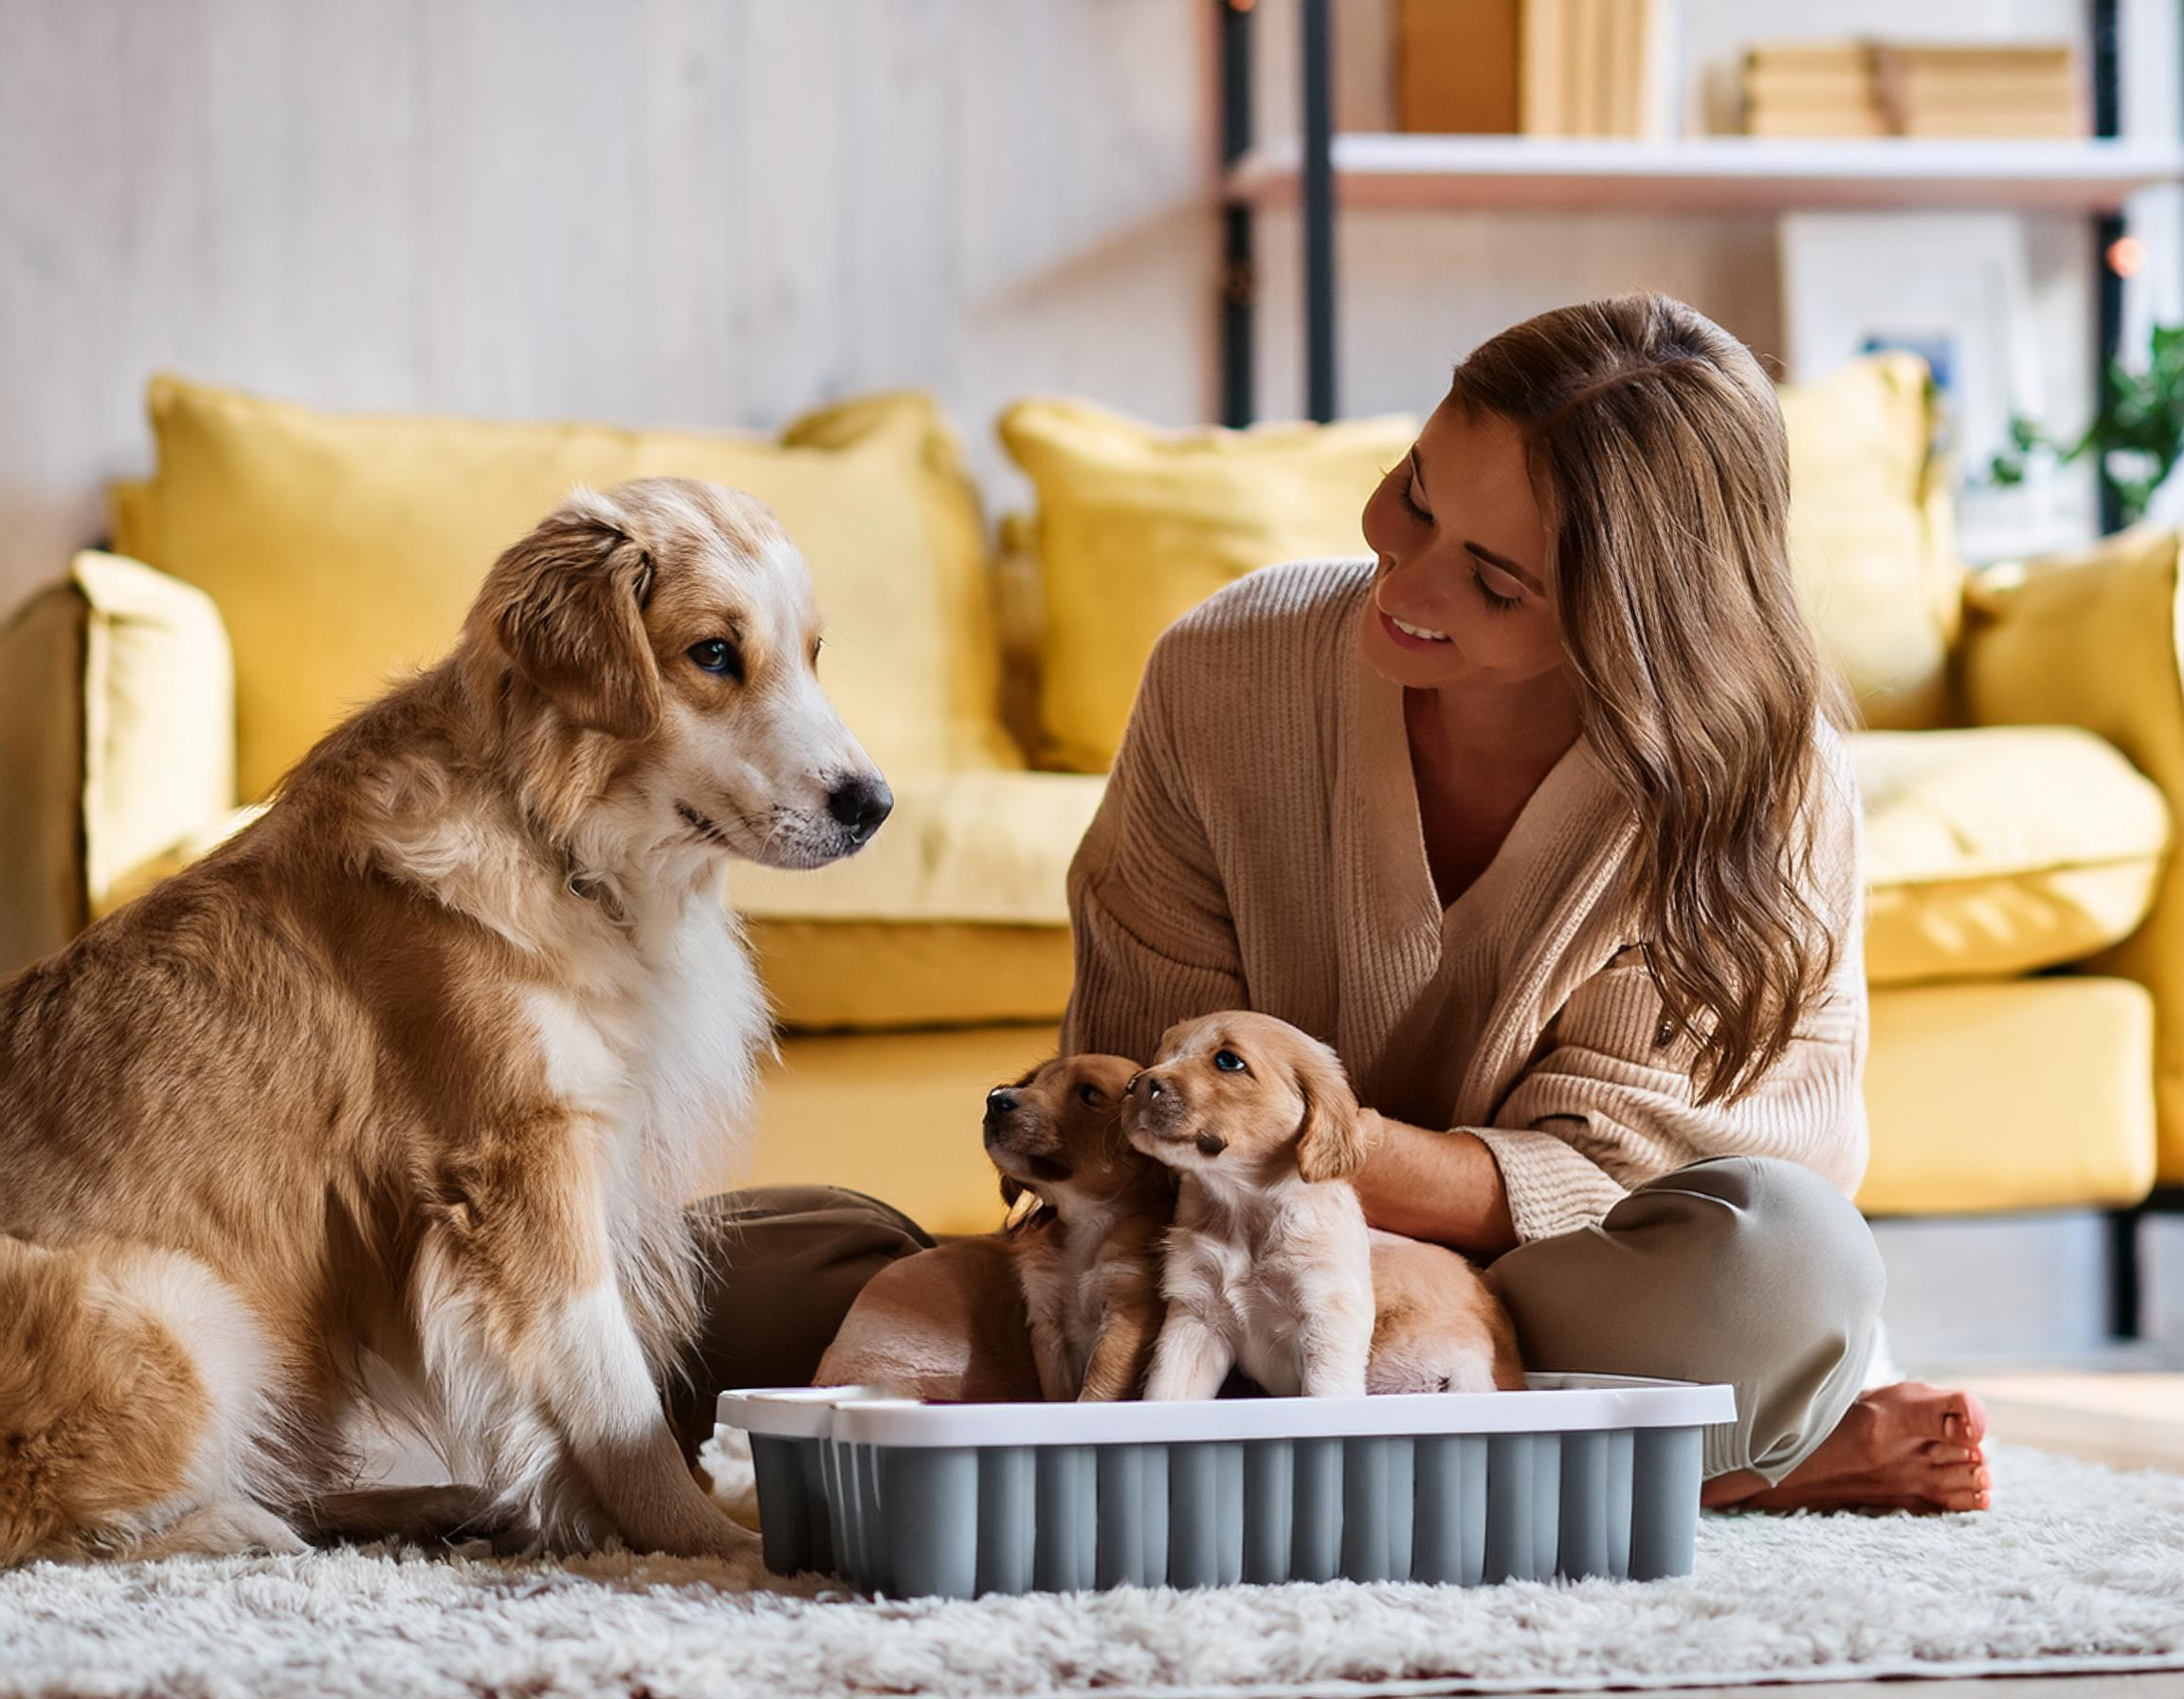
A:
(1713, 173)
(1319, 172)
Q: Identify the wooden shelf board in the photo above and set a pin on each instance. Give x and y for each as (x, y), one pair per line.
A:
(1713, 173)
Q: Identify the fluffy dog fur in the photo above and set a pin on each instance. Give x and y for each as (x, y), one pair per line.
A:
(1270, 1266)
(1088, 1257)
(386, 1110)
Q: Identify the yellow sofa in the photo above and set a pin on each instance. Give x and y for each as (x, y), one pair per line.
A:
(2023, 759)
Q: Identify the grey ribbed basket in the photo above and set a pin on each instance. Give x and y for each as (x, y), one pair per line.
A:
(1578, 1475)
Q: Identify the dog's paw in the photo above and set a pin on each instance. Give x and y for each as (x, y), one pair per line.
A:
(229, 1528)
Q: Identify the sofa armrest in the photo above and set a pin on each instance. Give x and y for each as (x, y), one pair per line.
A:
(41, 898)
(151, 702)
(2093, 639)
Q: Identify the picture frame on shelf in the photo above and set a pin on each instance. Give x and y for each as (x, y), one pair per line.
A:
(1956, 289)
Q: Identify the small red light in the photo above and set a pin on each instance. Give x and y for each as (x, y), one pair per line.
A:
(2126, 256)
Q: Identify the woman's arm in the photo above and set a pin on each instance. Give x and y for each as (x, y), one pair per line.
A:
(1438, 1185)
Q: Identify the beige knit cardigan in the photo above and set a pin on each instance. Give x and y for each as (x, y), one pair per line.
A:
(1259, 847)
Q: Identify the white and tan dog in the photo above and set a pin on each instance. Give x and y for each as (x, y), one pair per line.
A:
(386, 1109)
(1270, 1267)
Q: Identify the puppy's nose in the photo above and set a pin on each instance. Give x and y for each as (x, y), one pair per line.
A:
(861, 804)
(1001, 1100)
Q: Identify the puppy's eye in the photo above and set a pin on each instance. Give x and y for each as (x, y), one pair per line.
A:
(719, 656)
(1228, 1061)
(1088, 1094)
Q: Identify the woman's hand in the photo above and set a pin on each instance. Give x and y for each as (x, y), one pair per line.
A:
(1438, 1185)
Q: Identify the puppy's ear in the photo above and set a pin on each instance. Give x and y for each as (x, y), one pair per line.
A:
(1334, 1133)
(567, 604)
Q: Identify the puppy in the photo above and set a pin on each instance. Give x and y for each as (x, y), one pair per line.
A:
(384, 1113)
(1270, 1266)
(1088, 1257)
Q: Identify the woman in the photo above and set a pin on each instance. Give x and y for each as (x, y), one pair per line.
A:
(1539, 819)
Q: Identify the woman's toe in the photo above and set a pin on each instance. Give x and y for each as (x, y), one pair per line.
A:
(1963, 1417)
(1959, 1486)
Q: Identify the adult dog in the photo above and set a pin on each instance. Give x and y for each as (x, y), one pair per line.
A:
(385, 1111)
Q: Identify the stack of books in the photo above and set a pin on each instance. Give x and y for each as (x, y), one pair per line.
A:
(1893, 88)
(1542, 67)
(1983, 91)
(1813, 89)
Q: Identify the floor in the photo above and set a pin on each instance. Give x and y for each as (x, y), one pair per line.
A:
(2127, 1420)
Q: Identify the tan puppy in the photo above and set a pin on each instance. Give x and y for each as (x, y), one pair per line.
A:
(385, 1112)
(1088, 1257)
(1064, 1304)
(1270, 1266)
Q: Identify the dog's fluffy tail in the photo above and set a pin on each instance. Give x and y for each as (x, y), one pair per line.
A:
(135, 1406)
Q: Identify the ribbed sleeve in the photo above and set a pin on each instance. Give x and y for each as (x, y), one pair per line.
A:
(1151, 927)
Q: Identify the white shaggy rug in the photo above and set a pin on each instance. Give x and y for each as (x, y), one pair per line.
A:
(2078, 1568)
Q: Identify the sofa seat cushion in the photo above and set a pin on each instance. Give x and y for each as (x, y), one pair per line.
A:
(343, 551)
(2021, 1094)
(1995, 851)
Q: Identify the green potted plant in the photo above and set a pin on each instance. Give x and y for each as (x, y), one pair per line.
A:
(2137, 437)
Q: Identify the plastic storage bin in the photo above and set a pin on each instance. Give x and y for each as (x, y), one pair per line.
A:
(1580, 1474)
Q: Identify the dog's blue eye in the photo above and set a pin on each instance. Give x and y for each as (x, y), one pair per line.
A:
(1228, 1061)
(717, 655)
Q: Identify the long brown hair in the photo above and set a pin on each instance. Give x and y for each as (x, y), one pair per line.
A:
(1658, 457)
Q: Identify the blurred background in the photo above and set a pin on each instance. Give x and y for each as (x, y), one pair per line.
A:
(1041, 249)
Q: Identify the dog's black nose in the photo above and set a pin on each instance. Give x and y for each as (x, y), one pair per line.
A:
(1001, 1100)
(861, 804)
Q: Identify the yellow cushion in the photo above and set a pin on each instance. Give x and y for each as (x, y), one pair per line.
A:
(1995, 851)
(2025, 1095)
(1870, 539)
(895, 1114)
(1136, 525)
(342, 551)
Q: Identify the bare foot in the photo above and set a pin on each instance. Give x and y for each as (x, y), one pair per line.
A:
(1907, 1447)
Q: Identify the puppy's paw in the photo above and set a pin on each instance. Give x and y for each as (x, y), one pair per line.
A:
(728, 1475)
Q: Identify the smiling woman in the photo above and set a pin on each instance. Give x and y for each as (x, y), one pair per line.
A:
(1539, 819)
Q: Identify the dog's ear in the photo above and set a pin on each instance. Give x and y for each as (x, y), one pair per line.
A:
(567, 604)
(1334, 1133)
